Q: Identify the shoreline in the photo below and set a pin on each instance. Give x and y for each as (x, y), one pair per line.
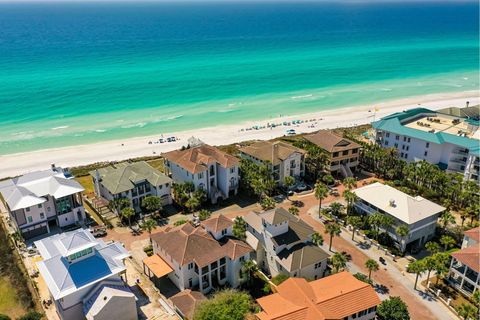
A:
(117, 150)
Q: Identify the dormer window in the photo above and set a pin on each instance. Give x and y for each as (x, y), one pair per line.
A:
(80, 254)
(224, 232)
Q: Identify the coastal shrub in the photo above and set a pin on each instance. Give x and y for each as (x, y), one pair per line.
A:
(4, 317)
(180, 222)
(278, 279)
(362, 277)
(148, 250)
(227, 304)
(31, 315)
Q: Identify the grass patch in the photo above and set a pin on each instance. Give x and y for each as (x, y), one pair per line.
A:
(87, 183)
(157, 164)
(9, 303)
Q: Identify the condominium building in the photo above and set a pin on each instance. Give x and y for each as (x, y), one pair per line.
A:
(418, 214)
(339, 296)
(41, 201)
(465, 266)
(282, 158)
(449, 141)
(207, 168)
(133, 181)
(84, 277)
(283, 244)
(342, 153)
(199, 258)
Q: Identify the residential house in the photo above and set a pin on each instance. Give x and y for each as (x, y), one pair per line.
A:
(283, 244)
(465, 265)
(41, 201)
(339, 296)
(418, 214)
(207, 168)
(343, 154)
(199, 257)
(283, 158)
(186, 301)
(84, 277)
(451, 142)
(133, 181)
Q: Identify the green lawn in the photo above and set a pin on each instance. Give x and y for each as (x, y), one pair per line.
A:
(9, 303)
(157, 164)
(87, 183)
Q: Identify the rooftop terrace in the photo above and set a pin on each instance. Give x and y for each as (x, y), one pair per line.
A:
(446, 124)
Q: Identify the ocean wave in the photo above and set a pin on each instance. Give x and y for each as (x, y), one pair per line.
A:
(465, 78)
(302, 97)
(138, 125)
(60, 127)
(386, 89)
(168, 118)
(100, 130)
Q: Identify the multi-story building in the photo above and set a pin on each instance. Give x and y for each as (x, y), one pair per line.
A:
(207, 168)
(283, 158)
(283, 244)
(339, 296)
(418, 214)
(343, 153)
(41, 201)
(465, 266)
(133, 181)
(199, 258)
(421, 134)
(84, 277)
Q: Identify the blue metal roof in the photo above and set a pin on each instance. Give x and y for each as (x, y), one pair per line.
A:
(392, 123)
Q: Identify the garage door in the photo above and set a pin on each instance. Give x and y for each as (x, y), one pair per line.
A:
(35, 232)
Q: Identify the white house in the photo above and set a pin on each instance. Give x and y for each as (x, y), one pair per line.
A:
(84, 277)
(464, 273)
(283, 158)
(283, 244)
(449, 141)
(133, 181)
(207, 168)
(43, 200)
(418, 214)
(198, 257)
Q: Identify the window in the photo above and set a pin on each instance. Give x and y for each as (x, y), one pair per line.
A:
(232, 170)
(318, 265)
(39, 206)
(427, 145)
(200, 175)
(344, 153)
(425, 153)
(49, 209)
(242, 259)
(387, 134)
(42, 215)
(27, 209)
(167, 185)
(408, 140)
(29, 219)
(354, 151)
(386, 142)
(190, 266)
(397, 137)
(406, 155)
(190, 283)
(404, 139)
(396, 145)
(213, 265)
(212, 171)
(401, 155)
(408, 147)
(224, 232)
(403, 147)
(222, 261)
(335, 154)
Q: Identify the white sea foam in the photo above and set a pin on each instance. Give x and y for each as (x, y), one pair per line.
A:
(386, 89)
(133, 125)
(100, 130)
(60, 128)
(302, 97)
(465, 78)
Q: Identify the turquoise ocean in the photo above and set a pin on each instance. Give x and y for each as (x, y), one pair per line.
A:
(76, 73)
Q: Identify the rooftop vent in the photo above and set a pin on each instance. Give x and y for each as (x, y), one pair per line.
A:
(195, 221)
(392, 203)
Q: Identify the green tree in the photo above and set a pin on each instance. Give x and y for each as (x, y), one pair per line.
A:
(4, 317)
(349, 183)
(239, 228)
(375, 220)
(180, 222)
(152, 204)
(430, 264)
(279, 278)
(476, 298)
(371, 265)
(248, 270)
(328, 179)
(447, 242)
(267, 203)
(149, 225)
(447, 218)
(257, 179)
(31, 315)
(393, 308)
(432, 247)
(127, 214)
(336, 208)
(467, 311)
(332, 229)
(193, 203)
(321, 192)
(116, 205)
(182, 192)
(338, 261)
(17, 237)
(356, 222)
(317, 239)
(350, 197)
(204, 214)
(225, 304)
(418, 267)
(294, 210)
(441, 265)
(288, 182)
(402, 231)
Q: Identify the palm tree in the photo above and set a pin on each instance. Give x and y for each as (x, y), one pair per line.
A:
(467, 311)
(321, 192)
(294, 210)
(447, 242)
(430, 264)
(371, 265)
(338, 261)
(149, 225)
(204, 214)
(317, 239)
(336, 208)
(441, 267)
(356, 222)
(127, 213)
(350, 197)
(152, 204)
(239, 228)
(447, 218)
(432, 247)
(375, 219)
(328, 179)
(192, 203)
(249, 268)
(333, 229)
(117, 205)
(472, 211)
(267, 203)
(418, 267)
(402, 231)
(288, 182)
(349, 183)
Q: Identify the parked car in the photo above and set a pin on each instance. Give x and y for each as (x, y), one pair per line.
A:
(301, 187)
(279, 198)
(99, 231)
(382, 260)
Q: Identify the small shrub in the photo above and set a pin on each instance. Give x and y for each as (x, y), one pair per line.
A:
(148, 250)
(278, 279)
(180, 222)
(362, 277)
(31, 315)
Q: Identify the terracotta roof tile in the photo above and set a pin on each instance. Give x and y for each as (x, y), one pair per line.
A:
(187, 301)
(473, 234)
(217, 223)
(469, 256)
(330, 141)
(194, 159)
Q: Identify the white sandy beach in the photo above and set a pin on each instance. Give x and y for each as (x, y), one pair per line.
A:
(16, 164)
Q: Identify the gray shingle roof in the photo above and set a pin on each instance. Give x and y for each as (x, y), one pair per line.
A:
(123, 176)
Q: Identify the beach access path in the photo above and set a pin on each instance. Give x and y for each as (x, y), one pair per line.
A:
(20, 163)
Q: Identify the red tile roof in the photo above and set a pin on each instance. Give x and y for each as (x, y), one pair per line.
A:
(473, 234)
(333, 297)
(469, 256)
(217, 223)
